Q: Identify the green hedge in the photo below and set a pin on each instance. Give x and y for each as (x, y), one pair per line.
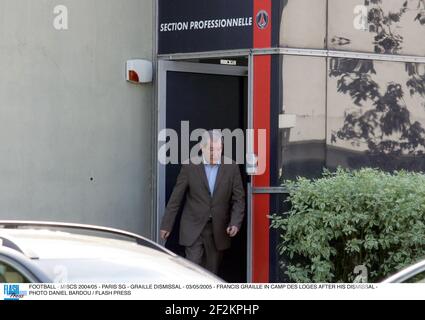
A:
(346, 219)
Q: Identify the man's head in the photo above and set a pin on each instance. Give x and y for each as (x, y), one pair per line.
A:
(212, 145)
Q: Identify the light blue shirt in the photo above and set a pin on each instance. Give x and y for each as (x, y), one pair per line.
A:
(211, 171)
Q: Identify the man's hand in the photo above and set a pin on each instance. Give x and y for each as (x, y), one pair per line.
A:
(164, 234)
(232, 231)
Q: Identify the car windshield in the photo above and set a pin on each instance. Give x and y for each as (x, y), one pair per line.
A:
(8, 274)
(419, 278)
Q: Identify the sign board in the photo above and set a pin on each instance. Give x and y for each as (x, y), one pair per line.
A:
(206, 25)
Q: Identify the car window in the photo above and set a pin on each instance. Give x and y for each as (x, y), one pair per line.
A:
(419, 278)
(8, 274)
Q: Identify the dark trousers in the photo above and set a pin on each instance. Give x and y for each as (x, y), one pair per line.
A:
(204, 251)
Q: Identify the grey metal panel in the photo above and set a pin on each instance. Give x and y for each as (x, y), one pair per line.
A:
(297, 52)
(304, 95)
(154, 121)
(250, 149)
(376, 114)
(203, 68)
(303, 24)
(389, 26)
(161, 124)
(270, 190)
(302, 122)
(204, 55)
(250, 259)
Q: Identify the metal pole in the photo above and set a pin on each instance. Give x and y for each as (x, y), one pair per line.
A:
(250, 150)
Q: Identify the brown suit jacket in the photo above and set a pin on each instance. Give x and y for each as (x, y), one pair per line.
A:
(226, 206)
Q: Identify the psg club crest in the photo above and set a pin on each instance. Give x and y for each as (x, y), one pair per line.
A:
(262, 19)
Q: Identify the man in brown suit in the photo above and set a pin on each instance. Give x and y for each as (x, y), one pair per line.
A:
(214, 206)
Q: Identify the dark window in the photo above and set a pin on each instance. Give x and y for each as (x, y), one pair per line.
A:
(9, 274)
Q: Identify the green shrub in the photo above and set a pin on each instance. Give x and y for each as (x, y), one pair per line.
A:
(346, 219)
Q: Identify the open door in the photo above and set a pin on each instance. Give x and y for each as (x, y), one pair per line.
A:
(201, 96)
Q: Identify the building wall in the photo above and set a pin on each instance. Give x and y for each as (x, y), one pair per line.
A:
(390, 26)
(351, 112)
(75, 137)
(303, 24)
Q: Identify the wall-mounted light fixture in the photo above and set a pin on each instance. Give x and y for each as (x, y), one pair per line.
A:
(139, 71)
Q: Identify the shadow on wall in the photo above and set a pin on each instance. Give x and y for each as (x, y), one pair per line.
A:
(387, 128)
(378, 125)
(384, 25)
(394, 141)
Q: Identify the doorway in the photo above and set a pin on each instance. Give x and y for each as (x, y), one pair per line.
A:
(204, 96)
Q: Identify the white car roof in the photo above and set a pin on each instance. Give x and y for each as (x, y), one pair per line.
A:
(88, 258)
(50, 244)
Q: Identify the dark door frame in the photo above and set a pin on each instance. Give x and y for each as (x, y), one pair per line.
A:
(165, 66)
